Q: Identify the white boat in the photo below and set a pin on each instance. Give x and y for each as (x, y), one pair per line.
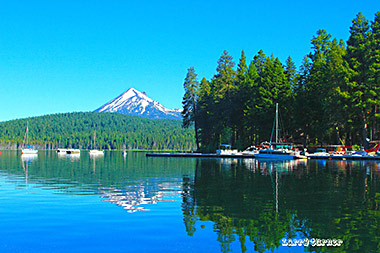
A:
(319, 152)
(96, 151)
(73, 151)
(225, 149)
(26, 148)
(279, 151)
(276, 150)
(61, 151)
(252, 150)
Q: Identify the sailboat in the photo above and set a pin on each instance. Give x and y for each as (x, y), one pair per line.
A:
(278, 150)
(26, 149)
(96, 151)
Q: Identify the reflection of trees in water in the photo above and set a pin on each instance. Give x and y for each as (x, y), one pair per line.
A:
(129, 182)
(264, 201)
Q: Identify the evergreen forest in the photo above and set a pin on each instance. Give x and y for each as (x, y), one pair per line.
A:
(332, 98)
(112, 130)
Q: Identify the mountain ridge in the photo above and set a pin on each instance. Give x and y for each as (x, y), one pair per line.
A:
(134, 102)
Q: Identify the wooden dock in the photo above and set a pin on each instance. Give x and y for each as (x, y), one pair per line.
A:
(346, 157)
(200, 155)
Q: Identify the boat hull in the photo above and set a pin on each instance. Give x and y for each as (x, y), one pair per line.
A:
(29, 151)
(275, 156)
(96, 152)
(73, 151)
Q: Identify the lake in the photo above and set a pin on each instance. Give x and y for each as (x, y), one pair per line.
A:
(63, 203)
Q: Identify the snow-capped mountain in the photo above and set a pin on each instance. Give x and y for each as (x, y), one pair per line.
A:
(134, 102)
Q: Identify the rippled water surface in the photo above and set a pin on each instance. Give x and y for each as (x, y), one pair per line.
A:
(62, 203)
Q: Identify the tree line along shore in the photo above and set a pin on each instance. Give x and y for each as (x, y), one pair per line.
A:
(332, 98)
(113, 131)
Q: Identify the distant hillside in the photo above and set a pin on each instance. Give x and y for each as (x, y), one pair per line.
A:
(113, 131)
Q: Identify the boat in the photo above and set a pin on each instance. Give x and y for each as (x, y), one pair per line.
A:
(319, 152)
(26, 148)
(360, 153)
(283, 151)
(252, 150)
(336, 150)
(95, 151)
(375, 149)
(279, 150)
(61, 151)
(73, 151)
(225, 149)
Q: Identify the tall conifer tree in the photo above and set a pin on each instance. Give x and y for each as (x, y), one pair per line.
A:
(223, 87)
(240, 97)
(191, 86)
(361, 93)
(374, 69)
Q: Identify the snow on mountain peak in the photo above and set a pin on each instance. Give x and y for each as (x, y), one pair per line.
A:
(134, 102)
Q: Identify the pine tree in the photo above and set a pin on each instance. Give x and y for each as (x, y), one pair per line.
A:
(251, 95)
(301, 123)
(361, 93)
(259, 61)
(374, 70)
(291, 72)
(189, 102)
(205, 117)
(239, 99)
(223, 87)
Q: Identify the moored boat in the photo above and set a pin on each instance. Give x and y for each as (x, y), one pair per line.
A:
(277, 150)
(225, 149)
(61, 150)
(252, 150)
(27, 150)
(73, 151)
(319, 152)
(96, 151)
(283, 151)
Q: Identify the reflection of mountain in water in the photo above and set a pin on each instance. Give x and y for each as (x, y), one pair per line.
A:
(133, 198)
(131, 183)
(258, 203)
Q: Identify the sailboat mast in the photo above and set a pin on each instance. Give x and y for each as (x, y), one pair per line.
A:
(94, 138)
(27, 135)
(276, 122)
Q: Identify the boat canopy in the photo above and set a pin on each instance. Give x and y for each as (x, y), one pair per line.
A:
(284, 145)
(225, 146)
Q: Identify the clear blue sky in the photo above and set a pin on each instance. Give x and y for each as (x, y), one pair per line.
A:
(65, 56)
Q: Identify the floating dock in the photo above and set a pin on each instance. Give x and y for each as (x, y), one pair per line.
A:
(346, 157)
(200, 155)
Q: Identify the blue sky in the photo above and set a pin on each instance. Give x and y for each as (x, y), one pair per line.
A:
(65, 56)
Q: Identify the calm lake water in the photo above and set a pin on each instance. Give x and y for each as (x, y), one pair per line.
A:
(62, 203)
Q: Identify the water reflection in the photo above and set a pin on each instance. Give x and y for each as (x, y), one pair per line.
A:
(132, 183)
(26, 160)
(258, 203)
(133, 199)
